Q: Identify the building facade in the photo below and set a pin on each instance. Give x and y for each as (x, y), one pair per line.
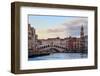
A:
(32, 40)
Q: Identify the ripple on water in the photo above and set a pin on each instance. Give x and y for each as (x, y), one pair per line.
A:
(60, 56)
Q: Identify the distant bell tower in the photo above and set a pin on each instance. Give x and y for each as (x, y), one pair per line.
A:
(82, 32)
(82, 42)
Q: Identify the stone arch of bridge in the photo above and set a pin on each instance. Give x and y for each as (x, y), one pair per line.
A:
(52, 48)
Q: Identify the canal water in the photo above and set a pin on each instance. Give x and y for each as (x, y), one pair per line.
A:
(60, 56)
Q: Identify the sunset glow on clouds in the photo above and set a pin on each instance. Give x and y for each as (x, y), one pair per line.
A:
(58, 26)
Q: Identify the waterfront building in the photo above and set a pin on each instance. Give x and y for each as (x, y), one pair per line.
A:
(74, 44)
(32, 39)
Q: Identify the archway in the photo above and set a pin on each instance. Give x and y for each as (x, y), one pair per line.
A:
(54, 50)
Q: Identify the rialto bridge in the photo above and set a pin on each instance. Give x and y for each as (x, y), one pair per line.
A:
(51, 48)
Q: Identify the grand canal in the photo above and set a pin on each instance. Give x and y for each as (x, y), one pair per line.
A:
(60, 56)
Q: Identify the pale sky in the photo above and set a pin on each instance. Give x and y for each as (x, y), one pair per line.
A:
(57, 26)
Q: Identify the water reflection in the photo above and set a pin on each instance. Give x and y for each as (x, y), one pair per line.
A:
(60, 56)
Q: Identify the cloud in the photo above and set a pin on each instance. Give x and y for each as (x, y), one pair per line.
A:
(56, 30)
(50, 33)
(76, 21)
